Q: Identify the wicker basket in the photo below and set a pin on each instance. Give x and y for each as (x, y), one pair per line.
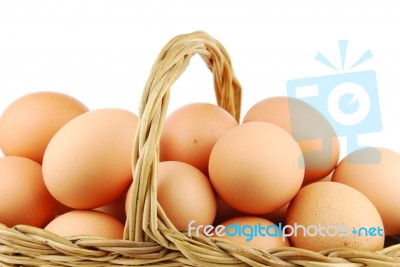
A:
(149, 238)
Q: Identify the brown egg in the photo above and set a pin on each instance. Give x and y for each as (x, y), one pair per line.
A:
(191, 131)
(256, 167)
(184, 193)
(254, 232)
(86, 222)
(313, 132)
(327, 215)
(28, 124)
(379, 180)
(24, 199)
(87, 164)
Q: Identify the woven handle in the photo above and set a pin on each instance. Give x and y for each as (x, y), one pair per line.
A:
(146, 218)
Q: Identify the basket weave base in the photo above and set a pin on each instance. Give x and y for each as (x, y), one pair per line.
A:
(29, 246)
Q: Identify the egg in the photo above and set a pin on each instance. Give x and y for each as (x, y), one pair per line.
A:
(24, 198)
(28, 124)
(253, 231)
(87, 163)
(190, 132)
(88, 223)
(313, 132)
(184, 193)
(379, 180)
(256, 167)
(328, 215)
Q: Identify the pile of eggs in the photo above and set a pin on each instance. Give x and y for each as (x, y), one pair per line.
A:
(68, 169)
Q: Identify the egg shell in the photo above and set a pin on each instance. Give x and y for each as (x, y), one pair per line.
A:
(379, 180)
(184, 193)
(313, 132)
(330, 212)
(256, 168)
(28, 124)
(251, 231)
(24, 198)
(88, 223)
(191, 131)
(87, 164)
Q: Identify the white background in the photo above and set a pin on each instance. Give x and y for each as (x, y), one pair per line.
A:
(101, 51)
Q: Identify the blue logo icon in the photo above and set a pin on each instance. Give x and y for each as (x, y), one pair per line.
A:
(349, 100)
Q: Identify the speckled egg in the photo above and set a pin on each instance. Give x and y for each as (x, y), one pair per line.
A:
(326, 215)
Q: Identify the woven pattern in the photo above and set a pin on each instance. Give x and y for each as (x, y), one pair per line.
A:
(150, 239)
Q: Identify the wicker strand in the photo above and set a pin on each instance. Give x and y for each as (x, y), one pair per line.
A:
(142, 221)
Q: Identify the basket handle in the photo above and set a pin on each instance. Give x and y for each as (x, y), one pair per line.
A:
(146, 218)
